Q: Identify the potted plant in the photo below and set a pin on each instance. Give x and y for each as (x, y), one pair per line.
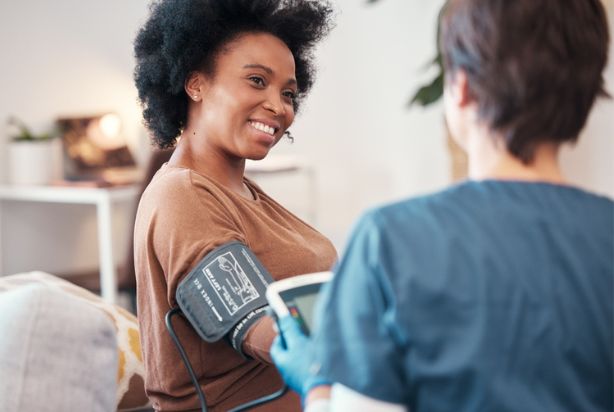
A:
(33, 157)
(431, 93)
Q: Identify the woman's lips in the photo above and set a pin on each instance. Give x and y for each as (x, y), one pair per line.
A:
(264, 133)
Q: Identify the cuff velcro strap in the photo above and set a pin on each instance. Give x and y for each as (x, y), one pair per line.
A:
(237, 334)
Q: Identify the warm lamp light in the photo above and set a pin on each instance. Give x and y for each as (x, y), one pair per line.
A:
(105, 131)
(110, 124)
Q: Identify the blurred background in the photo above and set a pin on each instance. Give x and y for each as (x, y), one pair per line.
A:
(357, 143)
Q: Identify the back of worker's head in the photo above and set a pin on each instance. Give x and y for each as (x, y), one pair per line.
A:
(534, 68)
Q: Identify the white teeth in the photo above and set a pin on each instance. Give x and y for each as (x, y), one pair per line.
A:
(263, 127)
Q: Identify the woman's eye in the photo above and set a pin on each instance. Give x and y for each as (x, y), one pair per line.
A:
(289, 95)
(257, 80)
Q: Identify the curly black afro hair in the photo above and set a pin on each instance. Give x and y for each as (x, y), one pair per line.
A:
(182, 36)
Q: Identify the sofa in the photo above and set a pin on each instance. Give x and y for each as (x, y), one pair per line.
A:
(62, 348)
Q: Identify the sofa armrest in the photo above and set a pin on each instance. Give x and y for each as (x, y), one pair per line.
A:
(57, 353)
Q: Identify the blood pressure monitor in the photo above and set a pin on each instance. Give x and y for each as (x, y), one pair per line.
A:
(296, 296)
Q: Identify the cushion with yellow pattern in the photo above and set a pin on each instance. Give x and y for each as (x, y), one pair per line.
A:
(130, 371)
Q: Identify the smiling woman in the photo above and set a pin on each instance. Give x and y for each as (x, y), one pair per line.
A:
(219, 80)
(243, 110)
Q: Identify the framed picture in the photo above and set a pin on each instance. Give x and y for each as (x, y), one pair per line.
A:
(94, 148)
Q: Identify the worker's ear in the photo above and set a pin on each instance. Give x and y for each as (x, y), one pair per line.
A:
(457, 87)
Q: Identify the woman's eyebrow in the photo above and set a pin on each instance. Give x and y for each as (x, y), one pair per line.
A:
(259, 66)
(268, 70)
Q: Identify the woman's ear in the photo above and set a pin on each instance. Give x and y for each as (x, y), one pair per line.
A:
(195, 85)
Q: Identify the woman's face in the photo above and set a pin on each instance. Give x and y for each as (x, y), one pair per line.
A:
(247, 104)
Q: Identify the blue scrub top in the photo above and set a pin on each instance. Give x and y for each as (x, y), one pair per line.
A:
(489, 296)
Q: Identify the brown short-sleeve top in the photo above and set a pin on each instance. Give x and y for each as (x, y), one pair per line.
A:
(181, 217)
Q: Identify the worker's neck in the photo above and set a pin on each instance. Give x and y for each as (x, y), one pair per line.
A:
(490, 159)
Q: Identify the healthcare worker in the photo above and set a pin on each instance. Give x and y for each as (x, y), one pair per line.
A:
(496, 294)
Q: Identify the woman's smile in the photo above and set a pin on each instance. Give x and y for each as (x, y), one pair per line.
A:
(265, 132)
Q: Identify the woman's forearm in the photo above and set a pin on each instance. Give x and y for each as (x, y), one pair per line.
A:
(258, 340)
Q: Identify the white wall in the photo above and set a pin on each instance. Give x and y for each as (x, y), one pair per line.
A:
(75, 57)
(59, 58)
(68, 57)
(591, 162)
(369, 148)
(355, 126)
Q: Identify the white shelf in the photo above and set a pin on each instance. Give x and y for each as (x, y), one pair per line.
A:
(66, 194)
(102, 198)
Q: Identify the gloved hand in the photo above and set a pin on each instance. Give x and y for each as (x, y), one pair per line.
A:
(295, 361)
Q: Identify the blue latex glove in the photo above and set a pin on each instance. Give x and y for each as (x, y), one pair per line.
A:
(295, 360)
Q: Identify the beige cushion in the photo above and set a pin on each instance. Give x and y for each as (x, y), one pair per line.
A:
(130, 392)
(56, 352)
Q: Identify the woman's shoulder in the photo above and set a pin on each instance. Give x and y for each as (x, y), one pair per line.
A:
(181, 188)
(178, 200)
(168, 178)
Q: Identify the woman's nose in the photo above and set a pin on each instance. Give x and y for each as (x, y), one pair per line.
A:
(274, 104)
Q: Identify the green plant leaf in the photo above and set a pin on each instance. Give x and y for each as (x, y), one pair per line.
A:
(428, 94)
(25, 134)
(432, 92)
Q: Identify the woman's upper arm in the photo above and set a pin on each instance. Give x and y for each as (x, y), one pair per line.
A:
(188, 225)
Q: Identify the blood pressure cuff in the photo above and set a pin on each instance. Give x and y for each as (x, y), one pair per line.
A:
(225, 293)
